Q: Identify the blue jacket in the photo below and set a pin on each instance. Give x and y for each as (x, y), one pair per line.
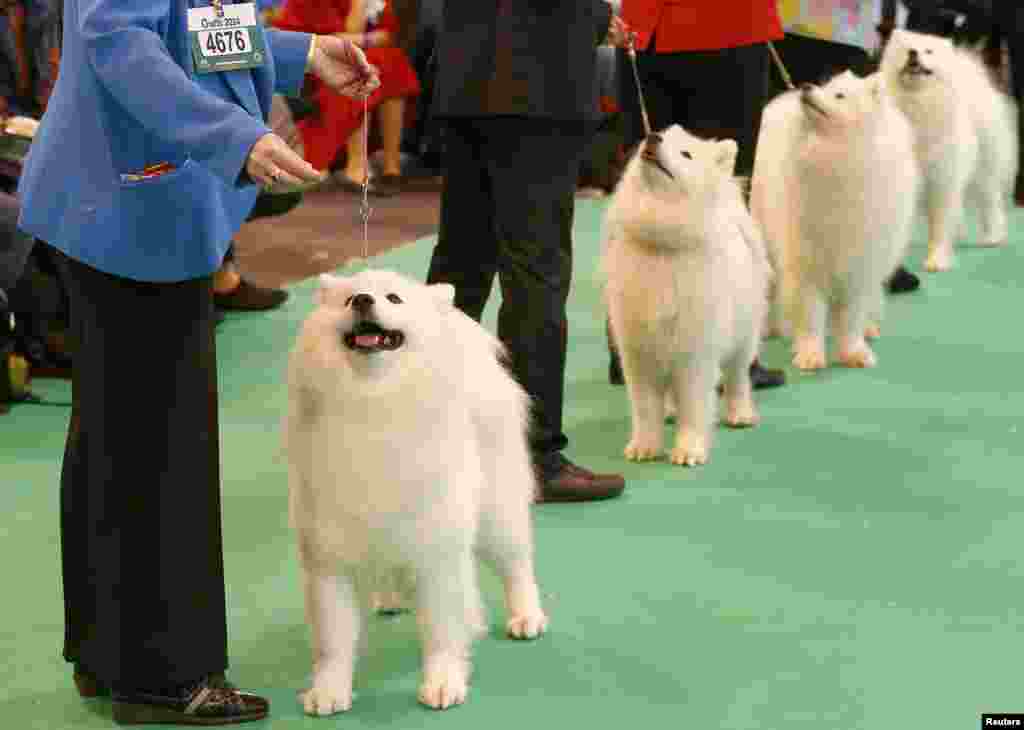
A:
(127, 97)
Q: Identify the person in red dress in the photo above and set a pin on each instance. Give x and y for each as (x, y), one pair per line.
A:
(339, 123)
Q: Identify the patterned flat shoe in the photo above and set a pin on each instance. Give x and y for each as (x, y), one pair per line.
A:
(212, 701)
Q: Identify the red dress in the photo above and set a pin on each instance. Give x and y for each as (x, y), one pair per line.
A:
(699, 25)
(324, 134)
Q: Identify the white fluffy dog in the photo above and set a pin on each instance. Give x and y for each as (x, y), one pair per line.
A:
(965, 138)
(686, 290)
(834, 189)
(406, 441)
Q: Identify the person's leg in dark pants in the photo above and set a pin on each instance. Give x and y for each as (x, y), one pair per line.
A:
(1012, 23)
(140, 487)
(466, 254)
(508, 209)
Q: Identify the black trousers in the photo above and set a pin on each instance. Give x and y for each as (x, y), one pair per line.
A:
(1011, 24)
(140, 486)
(507, 211)
(718, 94)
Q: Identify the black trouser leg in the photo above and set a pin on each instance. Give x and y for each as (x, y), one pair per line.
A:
(140, 488)
(507, 209)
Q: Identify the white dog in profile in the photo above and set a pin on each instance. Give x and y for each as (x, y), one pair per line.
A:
(834, 188)
(687, 276)
(406, 442)
(965, 138)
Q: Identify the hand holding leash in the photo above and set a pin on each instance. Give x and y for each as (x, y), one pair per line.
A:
(342, 65)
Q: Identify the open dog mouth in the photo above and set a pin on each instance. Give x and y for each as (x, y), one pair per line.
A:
(370, 337)
(651, 156)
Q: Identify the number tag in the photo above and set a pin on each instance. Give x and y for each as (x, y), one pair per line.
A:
(226, 42)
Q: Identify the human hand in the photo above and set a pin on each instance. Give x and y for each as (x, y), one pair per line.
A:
(618, 33)
(272, 162)
(342, 65)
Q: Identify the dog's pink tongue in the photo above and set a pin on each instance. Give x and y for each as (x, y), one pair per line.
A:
(368, 340)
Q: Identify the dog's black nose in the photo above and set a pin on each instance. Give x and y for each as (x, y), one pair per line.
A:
(362, 303)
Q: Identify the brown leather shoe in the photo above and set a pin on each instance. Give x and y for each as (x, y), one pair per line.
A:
(567, 482)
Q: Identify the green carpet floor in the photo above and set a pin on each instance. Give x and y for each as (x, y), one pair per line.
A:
(851, 563)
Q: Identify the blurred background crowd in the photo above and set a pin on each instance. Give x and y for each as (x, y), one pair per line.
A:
(405, 144)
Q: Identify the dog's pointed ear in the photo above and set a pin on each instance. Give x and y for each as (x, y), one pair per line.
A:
(725, 154)
(443, 294)
(327, 285)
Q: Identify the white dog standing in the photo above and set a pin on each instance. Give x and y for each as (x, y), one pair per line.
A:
(965, 138)
(834, 187)
(687, 275)
(406, 441)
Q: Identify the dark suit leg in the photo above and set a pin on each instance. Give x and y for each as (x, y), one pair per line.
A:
(1013, 28)
(466, 251)
(140, 493)
(737, 114)
(533, 165)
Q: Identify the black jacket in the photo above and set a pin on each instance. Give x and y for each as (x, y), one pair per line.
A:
(533, 58)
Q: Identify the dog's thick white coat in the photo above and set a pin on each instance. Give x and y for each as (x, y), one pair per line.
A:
(686, 277)
(406, 463)
(965, 139)
(834, 188)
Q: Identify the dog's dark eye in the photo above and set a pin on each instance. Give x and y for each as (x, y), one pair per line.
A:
(348, 301)
(394, 299)
(687, 155)
(840, 95)
(927, 50)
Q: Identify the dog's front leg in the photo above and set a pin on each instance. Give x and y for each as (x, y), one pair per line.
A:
(647, 406)
(808, 307)
(694, 388)
(334, 616)
(450, 614)
(944, 199)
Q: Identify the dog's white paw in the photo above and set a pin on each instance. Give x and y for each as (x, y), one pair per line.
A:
(872, 331)
(938, 260)
(527, 626)
(858, 357)
(994, 241)
(327, 698)
(809, 357)
(443, 689)
(741, 414)
(640, 449)
(691, 450)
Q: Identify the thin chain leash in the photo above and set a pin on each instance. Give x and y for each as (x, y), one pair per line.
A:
(365, 208)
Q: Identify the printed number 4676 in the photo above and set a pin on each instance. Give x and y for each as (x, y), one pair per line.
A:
(220, 42)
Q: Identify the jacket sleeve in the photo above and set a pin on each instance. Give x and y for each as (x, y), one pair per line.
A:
(126, 51)
(290, 51)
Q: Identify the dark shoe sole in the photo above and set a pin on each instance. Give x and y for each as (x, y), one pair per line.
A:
(129, 713)
(567, 496)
